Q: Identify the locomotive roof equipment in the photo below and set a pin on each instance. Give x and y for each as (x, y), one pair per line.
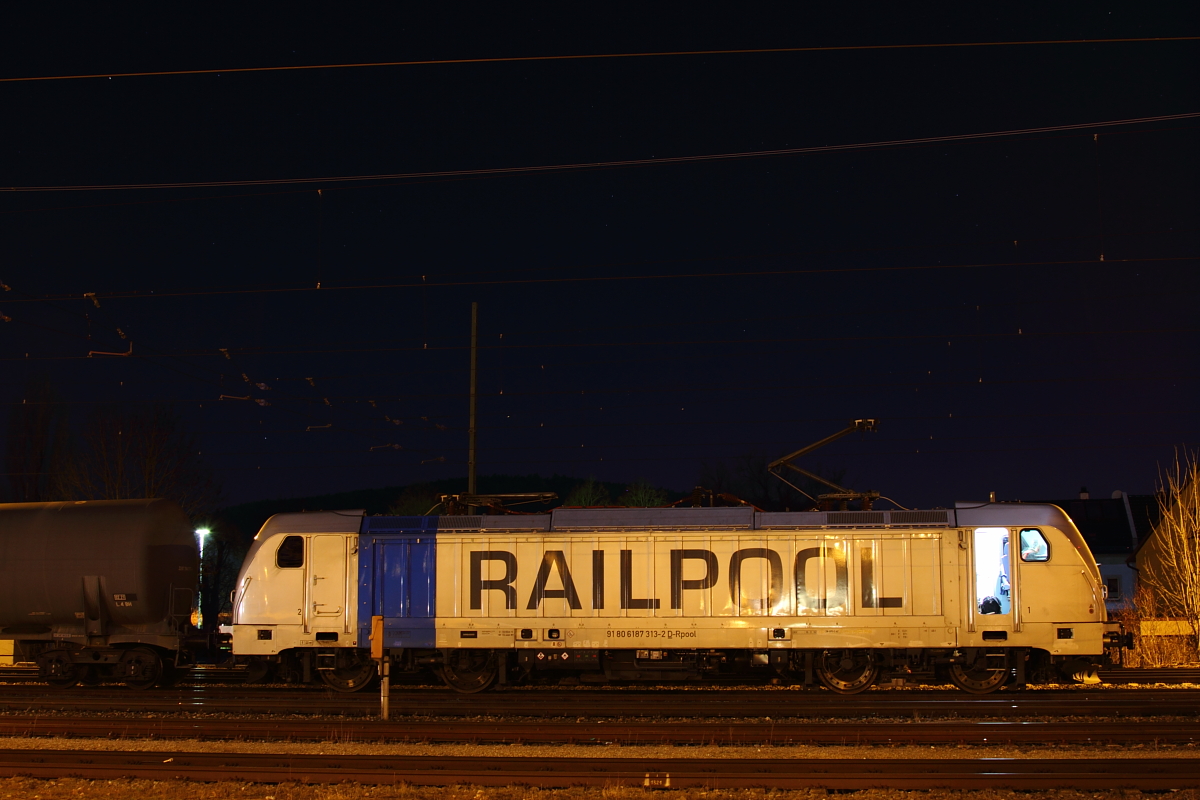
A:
(840, 494)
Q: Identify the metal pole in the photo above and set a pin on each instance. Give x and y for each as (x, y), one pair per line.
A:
(385, 688)
(471, 423)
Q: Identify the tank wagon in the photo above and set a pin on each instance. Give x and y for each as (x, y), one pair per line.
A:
(980, 595)
(98, 590)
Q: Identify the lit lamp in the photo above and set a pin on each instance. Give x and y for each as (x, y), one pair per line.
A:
(198, 620)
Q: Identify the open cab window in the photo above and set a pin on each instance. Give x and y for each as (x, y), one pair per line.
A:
(1034, 546)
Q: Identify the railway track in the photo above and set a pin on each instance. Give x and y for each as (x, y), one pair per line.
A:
(1174, 675)
(676, 773)
(601, 703)
(625, 733)
(201, 675)
(213, 674)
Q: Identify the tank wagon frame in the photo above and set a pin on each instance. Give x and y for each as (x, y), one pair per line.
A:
(981, 595)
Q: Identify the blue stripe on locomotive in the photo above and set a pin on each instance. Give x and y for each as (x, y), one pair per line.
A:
(397, 569)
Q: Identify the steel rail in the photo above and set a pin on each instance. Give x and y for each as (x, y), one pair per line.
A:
(677, 773)
(1173, 675)
(600, 732)
(212, 674)
(203, 674)
(550, 703)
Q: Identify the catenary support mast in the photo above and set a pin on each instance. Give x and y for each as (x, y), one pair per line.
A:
(471, 423)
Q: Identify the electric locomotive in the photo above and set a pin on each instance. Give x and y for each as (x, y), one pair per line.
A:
(981, 595)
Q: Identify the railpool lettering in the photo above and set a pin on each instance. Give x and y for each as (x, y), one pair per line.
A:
(835, 599)
(679, 585)
(774, 571)
(627, 598)
(553, 559)
(808, 598)
(504, 584)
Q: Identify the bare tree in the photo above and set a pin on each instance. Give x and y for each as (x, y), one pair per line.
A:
(415, 501)
(1170, 561)
(1158, 642)
(643, 494)
(589, 493)
(142, 452)
(37, 445)
(748, 478)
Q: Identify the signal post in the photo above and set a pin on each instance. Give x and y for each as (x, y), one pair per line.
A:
(380, 657)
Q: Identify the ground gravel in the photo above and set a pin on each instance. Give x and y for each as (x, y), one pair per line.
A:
(602, 750)
(72, 789)
(62, 789)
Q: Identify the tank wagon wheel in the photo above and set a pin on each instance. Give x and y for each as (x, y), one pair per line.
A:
(846, 671)
(351, 674)
(59, 670)
(986, 675)
(140, 668)
(469, 671)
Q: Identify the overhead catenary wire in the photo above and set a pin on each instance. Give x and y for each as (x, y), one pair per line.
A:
(658, 445)
(708, 322)
(381, 185)
(588, 165)
(250, 358)
(422, 280)
(757, 342)
(495, 464)
(217, 382)
(118, 295)
(708, 423)
(600, 56)
(709, 388)
(923, 384)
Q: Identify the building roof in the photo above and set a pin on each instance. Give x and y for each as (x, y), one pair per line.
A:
(1104, 522)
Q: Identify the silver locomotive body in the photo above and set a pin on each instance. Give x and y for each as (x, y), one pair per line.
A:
(981, 595)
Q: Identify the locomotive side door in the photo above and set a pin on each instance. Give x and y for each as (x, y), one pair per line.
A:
(991, 583)
(327, 581)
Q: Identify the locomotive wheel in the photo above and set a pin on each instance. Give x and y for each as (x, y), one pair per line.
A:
(846, 671)
(355, 674)
(140, 668)
(258, 670)
(986, 675)
(469, 671)
(58, 670)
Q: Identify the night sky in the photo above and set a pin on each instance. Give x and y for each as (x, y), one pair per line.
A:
(1018, 311)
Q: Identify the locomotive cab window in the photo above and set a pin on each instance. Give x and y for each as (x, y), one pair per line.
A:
(1034, 546)
(290, 554)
